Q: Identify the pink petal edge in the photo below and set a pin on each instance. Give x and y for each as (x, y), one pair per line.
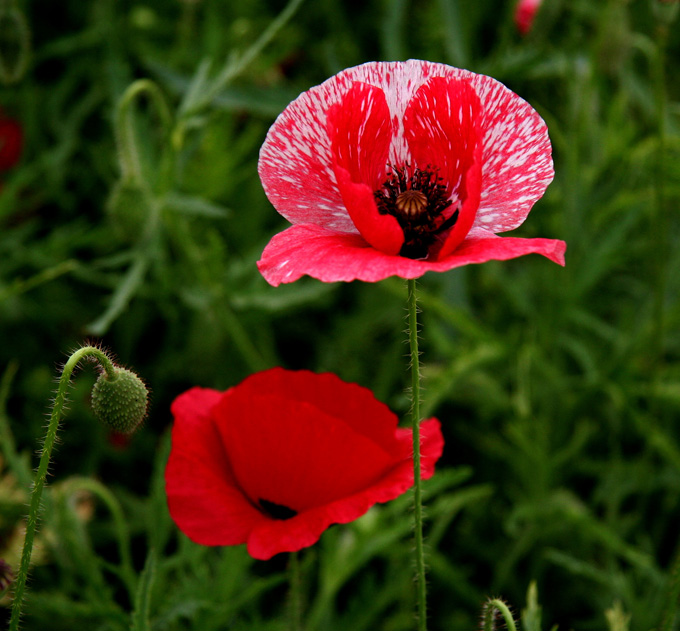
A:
(308, 249)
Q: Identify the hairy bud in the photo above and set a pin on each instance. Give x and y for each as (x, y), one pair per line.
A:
(120, 402)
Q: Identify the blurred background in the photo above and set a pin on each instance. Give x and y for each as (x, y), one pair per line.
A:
(135, 218)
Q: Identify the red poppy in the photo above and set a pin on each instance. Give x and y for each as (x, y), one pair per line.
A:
(276, 460)
(11, 141)
(394, 169)
(525, 12)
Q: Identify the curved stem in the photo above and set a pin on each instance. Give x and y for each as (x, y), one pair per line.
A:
(41, 474)
(126, 137)
(489, 615)
(417, 483)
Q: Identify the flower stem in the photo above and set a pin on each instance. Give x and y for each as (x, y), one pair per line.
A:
(415, 424)
(490, 613)
(41, 474)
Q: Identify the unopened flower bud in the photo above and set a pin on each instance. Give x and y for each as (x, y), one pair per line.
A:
(120, 402)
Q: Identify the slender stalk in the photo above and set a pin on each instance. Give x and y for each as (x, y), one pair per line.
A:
(126, 136)
(41, 474)
(294, 593)
(417, 482)
(490, 612)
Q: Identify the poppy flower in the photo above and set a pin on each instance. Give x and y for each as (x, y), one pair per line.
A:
(394, 169)
(276, 460)
(11, 141)
(525, 12)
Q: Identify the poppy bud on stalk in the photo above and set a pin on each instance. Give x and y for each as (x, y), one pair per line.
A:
(120, 402)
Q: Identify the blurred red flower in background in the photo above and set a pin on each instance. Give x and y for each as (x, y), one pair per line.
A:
(394, 169)
(525, 12)
(276, 460)
(11, 142)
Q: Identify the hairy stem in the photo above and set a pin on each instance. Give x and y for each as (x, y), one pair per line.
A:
(43, 466)
(494, 608)
(417, 482)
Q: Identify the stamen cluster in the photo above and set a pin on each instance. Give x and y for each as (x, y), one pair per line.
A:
(419, 201)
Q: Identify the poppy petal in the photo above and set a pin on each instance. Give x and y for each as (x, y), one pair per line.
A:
(292, 454)
(517, 157)
(203, 497)
(315, 181)
(277, 459)
(331, 256)
(272, 537)
(321, 391)
(360, 132)
(441, 125)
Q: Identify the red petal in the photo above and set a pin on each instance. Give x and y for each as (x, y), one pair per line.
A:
(468, 211)
(202, 494)
(381, 231)
(442, 129)
(441, 125)
(293, 453)
(330, 394)
(331, 256)
(305, 529)
(360, 132)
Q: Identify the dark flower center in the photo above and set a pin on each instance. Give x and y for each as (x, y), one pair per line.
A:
(276, 511)
(419, 202)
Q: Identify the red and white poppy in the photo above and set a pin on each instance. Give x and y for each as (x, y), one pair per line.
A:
(398, 168)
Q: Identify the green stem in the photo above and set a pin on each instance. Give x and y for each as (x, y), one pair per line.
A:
(41, 474)
(489, 615)
(415, 424)
(295, 592)
(126, 135)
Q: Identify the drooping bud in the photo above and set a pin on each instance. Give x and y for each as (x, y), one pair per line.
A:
(120, 402)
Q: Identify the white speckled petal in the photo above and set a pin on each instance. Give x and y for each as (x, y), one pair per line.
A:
(295, 160)
(517, 157)
(296, 163)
